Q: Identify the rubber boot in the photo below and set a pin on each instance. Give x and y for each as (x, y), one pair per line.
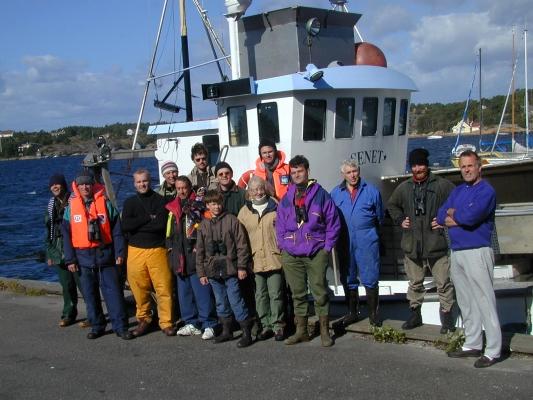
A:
(446, 321)
(325, 338)
(246, 338)
(302, 331)
(414, 320)
(226, 334)
(372, 301)
(353, 312)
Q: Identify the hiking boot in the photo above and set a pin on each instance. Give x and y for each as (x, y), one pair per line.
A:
(226, 334)
(446, 321)
(324, 331)
(265, 334)
(302, 331)
(64, 322)
(372, 301)
(414, 320)
(353, 312)
(142, 328)
(189, 330)
(246, 338)
(84, 324)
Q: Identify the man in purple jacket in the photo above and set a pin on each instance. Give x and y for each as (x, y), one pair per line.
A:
(307, 228)
(469, 215)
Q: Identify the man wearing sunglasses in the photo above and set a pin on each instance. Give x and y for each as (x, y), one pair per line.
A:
(234, 196)
(202, 176)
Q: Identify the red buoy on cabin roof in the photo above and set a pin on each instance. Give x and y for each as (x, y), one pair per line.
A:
(368, 54)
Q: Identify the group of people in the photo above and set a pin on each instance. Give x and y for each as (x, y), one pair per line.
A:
(225, 252)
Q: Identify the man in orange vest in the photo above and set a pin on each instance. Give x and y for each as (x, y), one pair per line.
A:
(94, 246)
(270, 166)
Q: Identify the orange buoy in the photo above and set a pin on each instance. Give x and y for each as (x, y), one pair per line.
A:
(369, 54)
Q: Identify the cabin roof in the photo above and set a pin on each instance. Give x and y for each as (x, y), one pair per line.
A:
(341, 77)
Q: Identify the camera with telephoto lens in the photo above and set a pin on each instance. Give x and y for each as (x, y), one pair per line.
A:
(216, 248)
(301, 215)
(93, 230)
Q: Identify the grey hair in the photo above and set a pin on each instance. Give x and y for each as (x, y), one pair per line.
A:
(256, 181)
(349, 163)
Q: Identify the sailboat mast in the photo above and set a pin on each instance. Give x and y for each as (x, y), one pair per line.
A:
(526, 92)
(513, 98)
(185, 56)
(480, 100)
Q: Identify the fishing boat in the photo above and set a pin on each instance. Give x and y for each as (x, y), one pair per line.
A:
(300, 79)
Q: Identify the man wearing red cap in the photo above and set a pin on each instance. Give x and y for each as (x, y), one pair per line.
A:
(413, 205)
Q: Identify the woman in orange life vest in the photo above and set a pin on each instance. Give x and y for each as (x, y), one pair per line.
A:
(94, 246)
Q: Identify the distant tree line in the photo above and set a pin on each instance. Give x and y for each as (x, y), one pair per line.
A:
(70, 134)
(427, 118)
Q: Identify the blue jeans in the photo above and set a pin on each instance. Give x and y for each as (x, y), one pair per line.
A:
(106, 279)
(196, 302)
(228, 298)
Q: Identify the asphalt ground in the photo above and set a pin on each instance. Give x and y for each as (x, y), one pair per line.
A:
(39, 360)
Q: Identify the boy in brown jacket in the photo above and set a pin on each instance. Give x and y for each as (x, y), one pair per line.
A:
(222, 256)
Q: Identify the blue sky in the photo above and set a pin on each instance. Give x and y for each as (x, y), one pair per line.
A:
(84, 62)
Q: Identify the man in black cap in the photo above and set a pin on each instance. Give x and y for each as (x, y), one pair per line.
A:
(94, 247)
(70, 281)
(413, 205)
(234, 196)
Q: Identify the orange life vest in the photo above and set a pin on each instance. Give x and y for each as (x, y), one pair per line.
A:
(282, 175)
(80, 216)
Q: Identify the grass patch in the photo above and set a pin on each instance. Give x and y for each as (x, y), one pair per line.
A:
(455, 342)
(387, 334)
(18, 288)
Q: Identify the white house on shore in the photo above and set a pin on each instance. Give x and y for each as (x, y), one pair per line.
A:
(467, 127)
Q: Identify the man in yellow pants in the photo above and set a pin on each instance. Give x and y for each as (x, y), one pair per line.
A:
(144, 219)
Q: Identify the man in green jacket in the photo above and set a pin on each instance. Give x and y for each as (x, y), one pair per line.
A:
(70, 281)
(413, 205)
(234, 196)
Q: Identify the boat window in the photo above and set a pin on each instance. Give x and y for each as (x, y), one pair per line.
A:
(389, 115)
(402, 123)
(237, 126)
(213, 147)
(344, 117)
(370, 116)
(314, 119)
(267, 118)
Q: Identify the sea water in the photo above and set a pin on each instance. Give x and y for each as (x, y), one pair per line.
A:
(24, 195)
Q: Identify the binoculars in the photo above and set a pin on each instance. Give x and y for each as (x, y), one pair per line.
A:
(216, 248)
(93, 230)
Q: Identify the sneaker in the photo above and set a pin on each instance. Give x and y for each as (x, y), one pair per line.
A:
(208, 334)
(189, 330)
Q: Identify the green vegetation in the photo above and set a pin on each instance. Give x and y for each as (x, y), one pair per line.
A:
(453, 342)
(426, 118)
(387, 334)
(16, 287)
(71, 139)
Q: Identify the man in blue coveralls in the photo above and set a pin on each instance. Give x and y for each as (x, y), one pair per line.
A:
(361, 210)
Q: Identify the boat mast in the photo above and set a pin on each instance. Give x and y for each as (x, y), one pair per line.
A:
(480, 104)
(526, 93)
(150, 73)
(513, 97)
(185, 56)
